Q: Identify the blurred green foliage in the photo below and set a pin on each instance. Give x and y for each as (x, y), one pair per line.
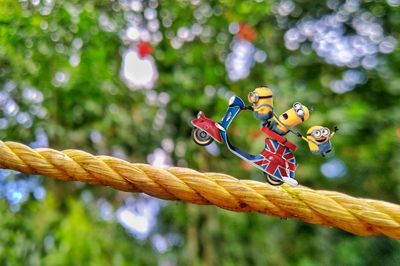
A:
(47, 233)
(89, 99)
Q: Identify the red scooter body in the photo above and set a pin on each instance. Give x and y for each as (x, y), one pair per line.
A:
(207, 125)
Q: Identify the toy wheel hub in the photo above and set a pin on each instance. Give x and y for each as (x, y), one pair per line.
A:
(203, 134)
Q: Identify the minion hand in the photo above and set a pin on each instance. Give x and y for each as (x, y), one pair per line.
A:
(335, 129)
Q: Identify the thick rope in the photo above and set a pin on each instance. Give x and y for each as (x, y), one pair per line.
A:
(356, 215)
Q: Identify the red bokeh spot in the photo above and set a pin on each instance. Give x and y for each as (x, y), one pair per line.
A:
(144, 49)
(246, 32)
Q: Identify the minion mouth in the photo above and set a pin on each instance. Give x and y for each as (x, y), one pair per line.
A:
(321, 140)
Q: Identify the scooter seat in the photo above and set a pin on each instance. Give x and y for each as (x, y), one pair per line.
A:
(282, 140)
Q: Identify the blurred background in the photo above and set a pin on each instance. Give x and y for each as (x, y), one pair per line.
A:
(124, 78)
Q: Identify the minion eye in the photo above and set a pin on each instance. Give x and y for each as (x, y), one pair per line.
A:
(325, 132)
(300, 113)
(317, 133)
(297, 106)
(253, 97)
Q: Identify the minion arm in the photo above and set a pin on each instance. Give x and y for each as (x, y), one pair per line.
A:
(335, 129)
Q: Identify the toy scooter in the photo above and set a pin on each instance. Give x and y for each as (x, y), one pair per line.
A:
(276, 160)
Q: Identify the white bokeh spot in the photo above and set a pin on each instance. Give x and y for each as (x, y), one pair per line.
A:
(138, 72)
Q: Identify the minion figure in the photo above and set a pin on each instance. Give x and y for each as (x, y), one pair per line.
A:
(289, 119)
(262, 103)
(318, 139)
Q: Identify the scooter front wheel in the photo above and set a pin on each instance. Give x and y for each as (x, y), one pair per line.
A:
(200, 137)
(273, 181)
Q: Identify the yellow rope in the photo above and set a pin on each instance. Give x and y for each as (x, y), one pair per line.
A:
(356, 215)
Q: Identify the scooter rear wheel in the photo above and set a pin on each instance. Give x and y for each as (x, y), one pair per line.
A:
(273, 181)
(200, 137)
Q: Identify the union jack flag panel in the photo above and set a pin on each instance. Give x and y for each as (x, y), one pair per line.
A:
(276, 159)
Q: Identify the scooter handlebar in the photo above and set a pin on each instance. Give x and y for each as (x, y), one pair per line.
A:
(247, 108)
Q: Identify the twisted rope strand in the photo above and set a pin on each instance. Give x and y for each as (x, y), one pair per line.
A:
(356, 215)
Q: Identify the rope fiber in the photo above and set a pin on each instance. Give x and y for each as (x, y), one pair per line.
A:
(356, 215)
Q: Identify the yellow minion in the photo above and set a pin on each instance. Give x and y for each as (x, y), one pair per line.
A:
(262, 103)
(291, 118)
(318, 139)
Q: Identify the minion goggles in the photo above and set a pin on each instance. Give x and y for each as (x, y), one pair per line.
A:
(253, 97)
(318, 133)
(299, 110)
